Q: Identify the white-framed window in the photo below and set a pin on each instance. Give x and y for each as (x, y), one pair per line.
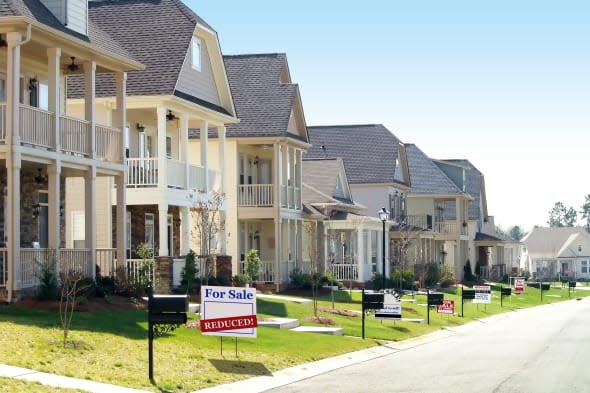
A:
(168, 147)
(585, 266)
(78, 229)
(149, 229)
(196, 54)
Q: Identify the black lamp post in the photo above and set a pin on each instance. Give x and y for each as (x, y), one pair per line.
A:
(383, 217)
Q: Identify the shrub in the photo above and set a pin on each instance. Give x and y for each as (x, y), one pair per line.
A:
(407, 279)
(432, 275)
(240, 280)
(477, 269)
(299, 279)
(105, 286)
(189, 272)
(48, 288)
(252, 264)
(467, 273)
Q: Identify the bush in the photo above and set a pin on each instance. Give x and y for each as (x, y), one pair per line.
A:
(299, 279)
(105, 286)
(188, 281)
(432, 276)
(240, 280)
(467, 273)
(407, 278)
(48, 289)
(252, 264)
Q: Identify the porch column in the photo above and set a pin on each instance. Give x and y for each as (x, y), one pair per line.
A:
(53, 79)
(326, 242)
(285, 176)
(90, 215)
(298, 179)
(387, 264)
(292, 154)
(278, 252)
(121, 213)
(299, 243)
(360, 246)
(12, 232)
(287, 239)
(222, 164)
(184, 146)
(277, 176)
(204, 139)
(163, 229)
(54, 172)
(90, 104)
(368, 255)
(184, 230)
(161, 154)
(13, 90)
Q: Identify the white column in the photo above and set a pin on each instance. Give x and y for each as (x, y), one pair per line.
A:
(285, 176)
(204, 136)
(299, 243)
(90, 103)
(289, 247)
(53, 172)
(360, 246)
(299, 179)
(278, 251)
(53, 79)
(222, 162)
(368, 254)
(13, 89)
(387, 264)
(90, 214)
(163, 229)
(277, 175)
(326, 241)
(121, 213)
(292, 177)
(12, 231)
(185, 229)
(162, 169)
(184, 147)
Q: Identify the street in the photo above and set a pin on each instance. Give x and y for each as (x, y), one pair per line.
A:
(542, 349)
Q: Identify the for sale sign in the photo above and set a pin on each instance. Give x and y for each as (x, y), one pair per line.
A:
(392, 308)
(483, 294)
(519, 285)
(447, 307)
(228, 311)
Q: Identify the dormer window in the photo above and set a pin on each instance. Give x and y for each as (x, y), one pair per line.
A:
(196, 54)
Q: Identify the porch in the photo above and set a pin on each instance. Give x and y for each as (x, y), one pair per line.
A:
(145, 172)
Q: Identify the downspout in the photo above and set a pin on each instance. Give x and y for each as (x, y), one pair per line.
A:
(11, 289)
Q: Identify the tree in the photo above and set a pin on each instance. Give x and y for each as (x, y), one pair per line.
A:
(252, 264)
(585, 212)
(500, 231)
(560, 216)
(516, 233)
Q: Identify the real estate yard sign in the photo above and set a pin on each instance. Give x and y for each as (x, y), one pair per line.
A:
(518, 285)
(483, 294)
(392, 308)
(228, 311)
(447, 307)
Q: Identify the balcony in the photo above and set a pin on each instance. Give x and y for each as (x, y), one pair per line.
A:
(37, 130)
(255, 195)
(144, 172)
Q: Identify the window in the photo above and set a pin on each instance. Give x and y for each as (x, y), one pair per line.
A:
(149, 229)
(168, 147)
(78, 229)
(585, 267)
(196, 54)
(43, 96)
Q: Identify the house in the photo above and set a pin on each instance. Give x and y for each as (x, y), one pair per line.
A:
(264, 165)
(558, 252)
(41, 147)
(183, 87)
(338, 237)
(375, 163)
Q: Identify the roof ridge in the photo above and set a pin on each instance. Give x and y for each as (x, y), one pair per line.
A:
(348, 125)
(269, 54)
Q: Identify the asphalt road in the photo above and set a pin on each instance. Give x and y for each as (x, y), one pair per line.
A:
(542, 349)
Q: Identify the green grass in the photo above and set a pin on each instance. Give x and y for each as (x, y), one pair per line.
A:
(9, 385)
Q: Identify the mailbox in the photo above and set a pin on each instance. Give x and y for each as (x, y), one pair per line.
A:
(506, 291)
(373, 301)
(167, 309)
(435, 299)
(468, 294)
(545, 287)
(572, 284)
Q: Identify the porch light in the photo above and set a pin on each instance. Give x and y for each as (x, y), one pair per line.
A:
(383, 213)
(170, 116)
(140, 127)
(36, 209)
(255, 160)
(178, 222)
(72, 67)
(40, 179)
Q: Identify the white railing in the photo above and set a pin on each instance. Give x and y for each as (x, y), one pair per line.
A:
(31, 261)
(76, 260)
(139, 270)
(214, 180)
(283, 195)
(106, 259)
(305, 267)
(196, 177)
(298, 198)
(36, 126)
(2, 121)
(175, 174)
(74, 135)
(255, 195)
(108, 143)
(265, 273)
(344, 271)
(451, 227)
(3, 267)
(142, 172)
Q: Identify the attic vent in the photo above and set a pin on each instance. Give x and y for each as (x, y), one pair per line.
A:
(579, 248)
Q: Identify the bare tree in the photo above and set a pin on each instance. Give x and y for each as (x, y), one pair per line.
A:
(70, 289)
(310, 229)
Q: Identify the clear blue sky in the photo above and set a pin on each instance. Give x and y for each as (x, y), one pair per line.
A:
(505, 84)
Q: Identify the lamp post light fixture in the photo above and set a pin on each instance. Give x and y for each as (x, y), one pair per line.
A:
(383, 217)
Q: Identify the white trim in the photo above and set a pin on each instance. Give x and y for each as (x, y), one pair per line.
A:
(196, 42)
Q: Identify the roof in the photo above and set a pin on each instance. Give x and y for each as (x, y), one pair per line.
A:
(473, 184)
(482, 237)
(369, 151)
(426, 177)
(548, 242)
(323, 176)
(36, 11)
(263, 104)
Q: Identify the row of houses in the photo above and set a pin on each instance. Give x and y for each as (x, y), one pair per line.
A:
(121, 119)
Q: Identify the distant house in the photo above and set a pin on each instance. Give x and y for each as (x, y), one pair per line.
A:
(550, 253)
(41, 148)
(340, 238)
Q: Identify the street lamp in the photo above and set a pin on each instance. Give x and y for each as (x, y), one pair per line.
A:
(383, 217)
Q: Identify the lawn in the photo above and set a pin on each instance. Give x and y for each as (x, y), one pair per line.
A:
(10, 385)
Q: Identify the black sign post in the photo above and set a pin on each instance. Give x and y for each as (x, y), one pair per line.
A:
(371, 301)
(504, 292)
(466, 294)
(433, 299)
(570, 285)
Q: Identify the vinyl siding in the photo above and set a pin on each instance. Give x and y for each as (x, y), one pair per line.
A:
(200, 84)
(77, 16)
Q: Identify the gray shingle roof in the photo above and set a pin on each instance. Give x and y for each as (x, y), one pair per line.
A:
(369, 151)
(472, 186)
(322, 175)
(263, 104)
(547, 242)
(426, 177)
(36, 11)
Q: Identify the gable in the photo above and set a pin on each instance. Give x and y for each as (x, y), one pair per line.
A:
(198, 83)
(577, 245)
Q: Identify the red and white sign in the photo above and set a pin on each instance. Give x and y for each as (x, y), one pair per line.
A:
(519, 285)
(448, 307)
(483, 294)
(228, 311)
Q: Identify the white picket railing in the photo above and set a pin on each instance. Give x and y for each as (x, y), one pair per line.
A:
(196, 177)
(344, 271)
(255, 195)
(108, 143)
(2, 122)
(74, 135)
(175, 171)
(31, 261)
(265, 273)
(106, 260)
(142, 172)
(36, 126)
(76, 260)
(139, 270)
(3, 267)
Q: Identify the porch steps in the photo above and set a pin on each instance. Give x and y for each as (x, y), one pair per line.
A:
(334, 331)
(194, 308)
(280, 323)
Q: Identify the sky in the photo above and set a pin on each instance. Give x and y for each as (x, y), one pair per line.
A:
(504, 84)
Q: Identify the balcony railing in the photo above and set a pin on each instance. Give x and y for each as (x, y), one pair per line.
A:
(142, 172)
(255, 195)
(345, 271)
(108, 143)
(36, 127)
(265, 274)
(176, 175)
(74, 135)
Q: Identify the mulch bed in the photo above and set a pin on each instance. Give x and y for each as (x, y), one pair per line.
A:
(94, 304)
